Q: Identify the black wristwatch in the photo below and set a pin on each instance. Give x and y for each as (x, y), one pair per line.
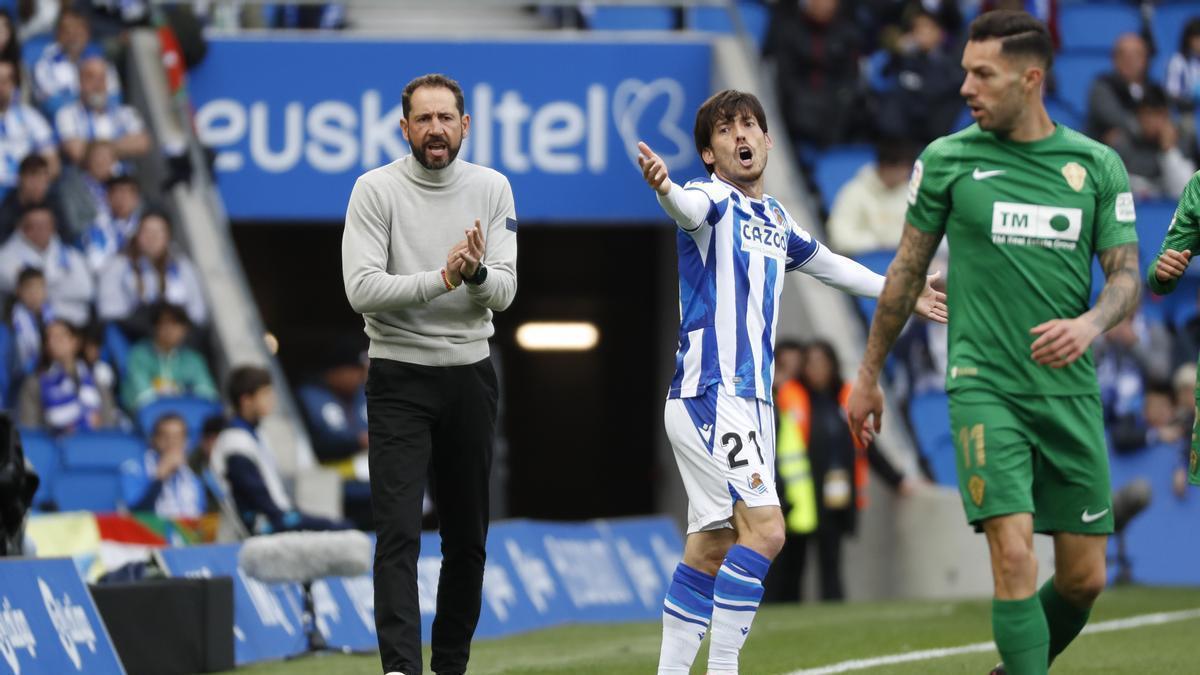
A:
(480, 276)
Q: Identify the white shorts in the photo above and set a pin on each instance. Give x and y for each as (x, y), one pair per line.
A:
(725, 449)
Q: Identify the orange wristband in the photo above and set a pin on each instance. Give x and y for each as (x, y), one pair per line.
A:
(446, 280)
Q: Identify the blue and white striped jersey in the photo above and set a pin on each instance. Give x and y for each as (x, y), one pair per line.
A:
(731, 266)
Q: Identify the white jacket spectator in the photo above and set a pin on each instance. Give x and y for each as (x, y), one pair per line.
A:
(42, 21)
(1183, 70)
(36, 244)
(95, 116)
(868, 212)
(23, 130)
(150, 272)
(56, 71)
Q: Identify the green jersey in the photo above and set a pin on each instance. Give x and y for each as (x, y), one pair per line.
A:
(1023, 221)
(1183, 234)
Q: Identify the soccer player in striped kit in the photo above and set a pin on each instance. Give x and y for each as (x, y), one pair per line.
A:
(734, 243)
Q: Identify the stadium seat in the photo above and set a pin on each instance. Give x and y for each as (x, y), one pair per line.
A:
(1074, 74)
(964, 119)
(32, 48)
(631, 18)
(929, 415)
(1153, 219)
(1088, 26)
(99, 450)
(87, 491)
(193, 410)
(1063, 113)
(755, 16)
(836, 166)
(1169, 20)
(43, 453)
(877, 262)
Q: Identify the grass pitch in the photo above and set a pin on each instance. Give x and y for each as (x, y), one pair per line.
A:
(793, 638)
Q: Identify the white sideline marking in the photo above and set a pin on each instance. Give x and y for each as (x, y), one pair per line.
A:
(929, 654)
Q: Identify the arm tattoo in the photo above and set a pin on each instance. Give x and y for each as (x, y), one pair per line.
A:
(1122, 286)
(905, 281)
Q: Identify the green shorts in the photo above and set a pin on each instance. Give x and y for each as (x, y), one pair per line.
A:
(1025, 453)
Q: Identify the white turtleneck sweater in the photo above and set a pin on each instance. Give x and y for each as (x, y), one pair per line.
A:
(401, 223)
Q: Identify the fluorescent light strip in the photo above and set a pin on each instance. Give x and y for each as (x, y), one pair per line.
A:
(558, 336)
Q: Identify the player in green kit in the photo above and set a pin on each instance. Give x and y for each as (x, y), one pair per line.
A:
(1026, 204)
(1183, 237)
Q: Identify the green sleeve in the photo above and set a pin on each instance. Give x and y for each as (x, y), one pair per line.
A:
(1182, 235)
(196, 379)
(929, 187)
(1116, 221)
(139, 375)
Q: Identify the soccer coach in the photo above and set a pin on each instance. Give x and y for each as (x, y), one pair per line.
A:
(428, 253)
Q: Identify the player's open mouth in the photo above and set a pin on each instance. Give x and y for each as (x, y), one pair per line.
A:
(745, 156)
(437, 149)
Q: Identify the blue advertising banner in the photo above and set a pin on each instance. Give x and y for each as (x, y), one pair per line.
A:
(295, 121)
(48, 623)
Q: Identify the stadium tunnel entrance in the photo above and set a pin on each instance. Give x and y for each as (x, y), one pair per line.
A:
(583, 429)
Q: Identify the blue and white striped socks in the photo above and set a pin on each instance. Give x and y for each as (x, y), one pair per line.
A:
(736, 595)
(686, 613)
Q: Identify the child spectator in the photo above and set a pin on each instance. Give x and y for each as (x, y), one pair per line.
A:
(37, 244)
(30, 313)
(148, 273)
(161, 481)
(245, 465)
(162, 366)
(63, 396)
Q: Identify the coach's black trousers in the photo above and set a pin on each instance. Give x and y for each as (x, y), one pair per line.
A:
(423, 417)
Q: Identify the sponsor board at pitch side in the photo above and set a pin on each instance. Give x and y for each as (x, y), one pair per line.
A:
(293, 122)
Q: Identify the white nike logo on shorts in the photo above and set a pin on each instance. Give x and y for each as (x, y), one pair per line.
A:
(1092, 517)
(984, 175)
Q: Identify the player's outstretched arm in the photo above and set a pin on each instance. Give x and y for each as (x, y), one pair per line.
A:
(688, 208)
(905, 281)
(1061, 341)
(844, 274)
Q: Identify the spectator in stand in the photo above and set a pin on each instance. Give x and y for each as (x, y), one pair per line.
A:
(162, 366)
(36, 244)
(1184, 383)
(33, 189)
(884, 21)
(95, 116)
(1183, 70)
(82, 188)
(93, 348)
(244, 464)
(329, 16)
(149, 272)
(1133, 352)
(816, 52)
(10, 44)
(1112, 103)
(1154, 424)
(63, 396)
(868, 212)
(56, 73)
(1160, 156)
(37, 17)
(115, 226)
(335, 406)
(161, 481)
(925, 101)
(24, 130)
(30, 313)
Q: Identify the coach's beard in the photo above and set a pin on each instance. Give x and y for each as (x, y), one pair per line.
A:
(422, 154)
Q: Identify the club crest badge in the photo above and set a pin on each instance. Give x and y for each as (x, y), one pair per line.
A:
(975, 486)
(1075, 174)
(756, 483)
